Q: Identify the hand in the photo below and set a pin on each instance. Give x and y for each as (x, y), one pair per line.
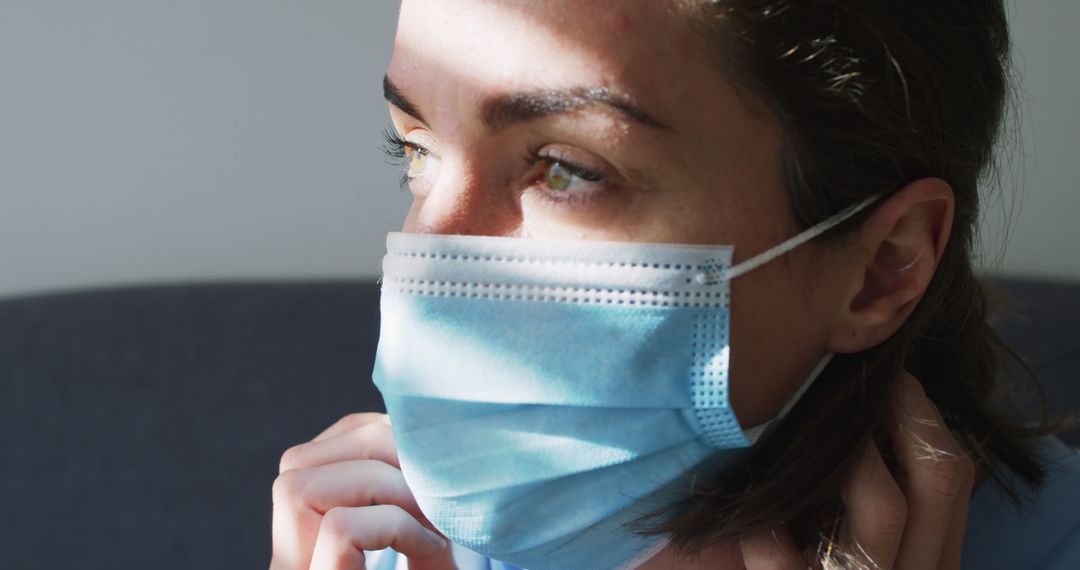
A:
(342, 493)
(912, 522)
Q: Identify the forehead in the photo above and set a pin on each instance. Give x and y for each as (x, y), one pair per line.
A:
(646, 49)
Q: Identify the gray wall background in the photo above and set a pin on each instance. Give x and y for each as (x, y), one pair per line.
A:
(147, 141)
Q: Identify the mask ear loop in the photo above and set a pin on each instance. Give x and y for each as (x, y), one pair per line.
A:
(712, 278)
(755, 433)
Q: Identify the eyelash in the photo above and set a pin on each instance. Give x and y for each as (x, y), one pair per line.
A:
(534, 157)
(598, 183)
(396, 149)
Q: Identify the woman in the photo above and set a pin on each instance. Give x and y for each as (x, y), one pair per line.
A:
(836, 145)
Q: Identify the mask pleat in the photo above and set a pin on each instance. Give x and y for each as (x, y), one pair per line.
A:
(552, 442)
(579, 501)
(605, 356)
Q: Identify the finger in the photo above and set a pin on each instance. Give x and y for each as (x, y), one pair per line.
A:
(771, 549)
(935, 475)
(302, 497)
(372, 440)
(353, 484)
(350, 422)
(346, 533)
(876, 512)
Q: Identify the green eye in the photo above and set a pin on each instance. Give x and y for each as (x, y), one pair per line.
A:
(564, 177)
(558, 177)
(418, 160)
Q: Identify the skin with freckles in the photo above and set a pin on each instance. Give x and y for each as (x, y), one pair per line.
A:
(607, 120)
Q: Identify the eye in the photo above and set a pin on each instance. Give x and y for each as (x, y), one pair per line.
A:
(421, 169)
(417, 162)
(418, 159)
(561, 178)
(564, 177)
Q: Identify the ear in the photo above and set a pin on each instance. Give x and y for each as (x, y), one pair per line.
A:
(898, 249)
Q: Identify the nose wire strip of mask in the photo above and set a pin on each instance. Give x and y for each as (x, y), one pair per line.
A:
(464, 265)
(770, 254)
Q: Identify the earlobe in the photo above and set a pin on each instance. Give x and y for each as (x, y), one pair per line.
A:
(898, 250)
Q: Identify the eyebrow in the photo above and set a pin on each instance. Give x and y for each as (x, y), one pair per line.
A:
(503, 110)
(395, 97)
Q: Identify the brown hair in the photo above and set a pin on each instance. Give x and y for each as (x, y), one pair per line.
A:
(871, 95)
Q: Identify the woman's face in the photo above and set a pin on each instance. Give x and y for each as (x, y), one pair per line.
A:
(608, 120)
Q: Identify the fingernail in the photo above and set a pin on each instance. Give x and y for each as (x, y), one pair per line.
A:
(385, 419)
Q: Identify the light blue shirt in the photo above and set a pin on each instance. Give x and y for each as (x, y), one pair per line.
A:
(1043, 536)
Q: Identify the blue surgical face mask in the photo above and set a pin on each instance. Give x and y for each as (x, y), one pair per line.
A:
(546, 394)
